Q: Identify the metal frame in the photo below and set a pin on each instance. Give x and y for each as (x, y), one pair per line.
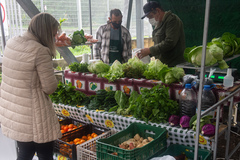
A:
(217, 105)
(29, 7)
(31, 10)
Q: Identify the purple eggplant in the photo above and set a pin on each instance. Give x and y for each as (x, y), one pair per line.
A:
(208, 130)
(174, 120)
(184, 121)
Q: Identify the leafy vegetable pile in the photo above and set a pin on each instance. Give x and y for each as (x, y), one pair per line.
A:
(159, 71)
(115, 71)
(78, 67)
(103, 100)
(151, 105)
(122, 104)
(219, 48)
(66, 94)
(78, 38)
(134, 68)
(99, 68)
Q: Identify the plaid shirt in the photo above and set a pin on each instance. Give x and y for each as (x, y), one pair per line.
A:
(101, 50)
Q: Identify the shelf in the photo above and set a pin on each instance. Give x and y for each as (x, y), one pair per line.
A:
(87, 43)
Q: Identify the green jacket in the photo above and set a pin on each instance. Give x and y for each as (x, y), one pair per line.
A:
(169, 40)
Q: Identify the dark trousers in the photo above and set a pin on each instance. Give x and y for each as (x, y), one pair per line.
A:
(26, 150)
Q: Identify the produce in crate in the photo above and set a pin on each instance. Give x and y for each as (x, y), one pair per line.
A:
(69, 127)
(135, 142)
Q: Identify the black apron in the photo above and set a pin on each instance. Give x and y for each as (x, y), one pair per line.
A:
(115, 49)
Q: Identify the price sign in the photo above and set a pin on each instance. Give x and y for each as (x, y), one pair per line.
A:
(61, 157)
(109, 123)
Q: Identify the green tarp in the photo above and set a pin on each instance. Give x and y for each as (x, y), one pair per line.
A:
(224, 17)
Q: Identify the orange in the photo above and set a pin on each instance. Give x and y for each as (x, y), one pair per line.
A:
(89, 137)
(70, 126)
(84, 137)
(65, 128)
(62, 127)
(82, 141)
(94, 135)
(69, 129)
(76, 140)
(62, 131)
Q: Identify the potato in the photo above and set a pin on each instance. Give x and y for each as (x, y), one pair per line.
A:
(137, 137)
(145, 141)
(150, 139)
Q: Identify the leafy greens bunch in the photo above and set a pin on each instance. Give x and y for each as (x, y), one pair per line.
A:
(78, 67)
(103, 100)
(122, 107)
(159, 71)
(78, 38)
(115, 71)
(66, 94)
(99, 68)
(153, 104)
(134, 68)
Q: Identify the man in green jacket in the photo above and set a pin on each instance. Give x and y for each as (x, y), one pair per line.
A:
(168, 35)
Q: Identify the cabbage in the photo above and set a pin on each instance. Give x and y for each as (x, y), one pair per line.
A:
(174, 120)
(98, 68)
(184, 121)
(208, 130)
(214, 54)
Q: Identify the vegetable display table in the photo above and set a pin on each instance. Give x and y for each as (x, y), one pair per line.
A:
(89, 83)
(176, 135)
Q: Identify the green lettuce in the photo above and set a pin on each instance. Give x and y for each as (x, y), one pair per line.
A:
(134, 68)
(115, 71)
(98, 68)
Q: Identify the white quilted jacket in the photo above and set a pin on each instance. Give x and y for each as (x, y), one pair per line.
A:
(26, 111)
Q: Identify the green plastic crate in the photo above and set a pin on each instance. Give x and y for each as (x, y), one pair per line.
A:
(177, 149)
(106, 147)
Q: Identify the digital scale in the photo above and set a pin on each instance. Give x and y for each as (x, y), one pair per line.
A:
(219, 74)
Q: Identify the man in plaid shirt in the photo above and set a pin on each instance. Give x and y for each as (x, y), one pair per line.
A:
(115, 40)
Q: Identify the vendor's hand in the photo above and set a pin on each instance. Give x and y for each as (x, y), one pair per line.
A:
(143, 53)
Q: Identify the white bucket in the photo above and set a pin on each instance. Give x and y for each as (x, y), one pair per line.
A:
(85, 58)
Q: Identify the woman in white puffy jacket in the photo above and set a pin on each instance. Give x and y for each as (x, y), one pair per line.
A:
(26, 111)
